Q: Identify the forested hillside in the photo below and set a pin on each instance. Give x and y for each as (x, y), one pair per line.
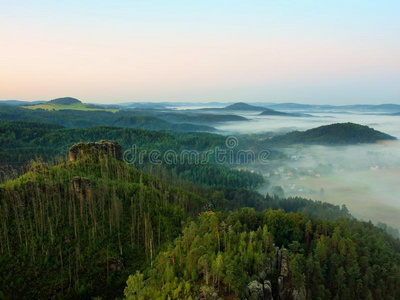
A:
(334, 134)
(273, 255)
(79, 225)
(22, 142)
(80, 228)
(85, 118)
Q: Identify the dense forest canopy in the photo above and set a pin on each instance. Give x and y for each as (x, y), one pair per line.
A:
(57, 218)
(84, 118)
(273, 255)
(97, 226)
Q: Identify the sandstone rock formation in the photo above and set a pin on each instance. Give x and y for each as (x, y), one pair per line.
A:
(279, 286)
(208, 293)
(255, 290)
(268, 290)
(98, 149)
(81, 186)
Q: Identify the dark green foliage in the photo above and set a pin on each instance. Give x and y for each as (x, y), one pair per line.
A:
(64, 101)
(394, 232)
(22, 142)
(79, 229)
(81, 118)
(344, 259)
(238, 198)
(217, 176)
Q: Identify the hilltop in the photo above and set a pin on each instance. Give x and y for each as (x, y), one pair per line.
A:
(334, 134)
(64, 101)
(272, 112)
(68, 103)
(244, 107)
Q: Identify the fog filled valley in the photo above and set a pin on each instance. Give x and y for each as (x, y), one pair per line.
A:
(199, 201)
(364, 177)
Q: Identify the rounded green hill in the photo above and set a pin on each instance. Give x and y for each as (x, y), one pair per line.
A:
(65, 101)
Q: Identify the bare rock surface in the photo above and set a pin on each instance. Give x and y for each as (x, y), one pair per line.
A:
(81, 186)
(99, 149)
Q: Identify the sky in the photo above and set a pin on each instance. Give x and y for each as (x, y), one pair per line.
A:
(323, 52)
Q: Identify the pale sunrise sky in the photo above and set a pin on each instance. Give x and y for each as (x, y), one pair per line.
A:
(336, 52)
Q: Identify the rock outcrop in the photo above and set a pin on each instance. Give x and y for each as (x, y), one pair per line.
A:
(117, 264)
(279, 286)
(99, 149)
(208, 293)
(255, 290)
(81, 186)
(259, 291)
(268, 290)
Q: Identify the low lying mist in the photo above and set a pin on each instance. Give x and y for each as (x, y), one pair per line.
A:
(363, 177)
(258, 124)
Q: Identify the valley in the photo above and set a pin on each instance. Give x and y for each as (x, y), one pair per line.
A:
(66, 199)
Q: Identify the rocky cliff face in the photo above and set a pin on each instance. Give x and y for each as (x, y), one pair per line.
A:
(81, 186)
(100, 149)
(269, 288)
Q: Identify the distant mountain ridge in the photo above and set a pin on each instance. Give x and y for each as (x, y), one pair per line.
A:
(244, 106)
(356, 107)
(272, 112)
(256, 106)
(241, 106)
(20, 103)
(200, 118)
